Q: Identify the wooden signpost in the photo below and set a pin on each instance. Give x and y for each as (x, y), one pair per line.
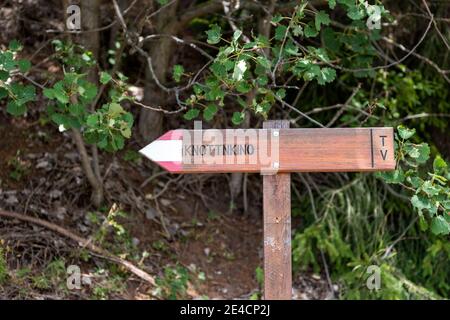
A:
(275, 151)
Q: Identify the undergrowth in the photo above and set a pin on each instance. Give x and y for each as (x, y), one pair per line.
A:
(357, 226)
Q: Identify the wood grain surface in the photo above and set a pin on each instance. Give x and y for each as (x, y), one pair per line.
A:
(295, 150)
(277, 231)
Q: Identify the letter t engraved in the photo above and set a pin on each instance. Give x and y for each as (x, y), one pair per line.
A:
(382, 140)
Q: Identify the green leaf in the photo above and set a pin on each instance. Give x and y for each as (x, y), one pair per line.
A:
(102, 143)
(280, 32)
(330, 39)
(15, 45)
(320, 53)
(191, 114)
(430, 189)
(439, 225)
(297, 30)
(115, 109)
(243, 87)
(415, 182)
(264, 62)
(92, 120)
(277, 18)
(105, 77)
(236, 35)
(262, 80)
(332, 4)
(4, 75)
(405, 133)
(60, 119)
(178, 71)
(61, 96)
(310, 31)
(24, 65)
(76, 109)
(411, 150)
(355, 12)
(219, 69)
(238, 117)
(291, 48)
(70, 78)
(423, 224)
(117, 142)
(49, 93)
(126, 132)
(424, 153)
(281, 93)
(22, 94)
(239, 70)
(420, 202)
(8, 62)
(15, 109)
(3, 93)
(393, 177)
(128, 118)
(312, 72)
(87, 57)
(326, 75)
(57, 93)
(214, 34)
(322, 18)
(87, 90)
(209, 112)
(439, 165)
(214, 93)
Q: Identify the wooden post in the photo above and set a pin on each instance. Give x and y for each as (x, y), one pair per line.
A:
(277, 230)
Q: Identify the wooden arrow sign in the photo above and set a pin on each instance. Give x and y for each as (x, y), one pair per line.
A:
(274, 150)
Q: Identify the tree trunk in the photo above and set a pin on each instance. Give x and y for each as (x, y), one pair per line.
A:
(151, 122)
(90, 20)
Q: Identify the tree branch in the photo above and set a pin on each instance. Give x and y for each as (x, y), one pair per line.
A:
(97, 187)
(84, 243)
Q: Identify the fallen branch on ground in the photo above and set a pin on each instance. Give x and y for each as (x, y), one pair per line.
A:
(82, 243)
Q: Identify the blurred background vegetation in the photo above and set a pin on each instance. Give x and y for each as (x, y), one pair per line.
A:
(162, 64)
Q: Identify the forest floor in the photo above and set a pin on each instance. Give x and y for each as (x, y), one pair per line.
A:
(178, 229)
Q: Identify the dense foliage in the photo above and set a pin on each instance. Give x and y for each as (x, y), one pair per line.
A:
(300, 70)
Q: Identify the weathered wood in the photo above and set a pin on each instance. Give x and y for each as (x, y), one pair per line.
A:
(295, 150)
(275, 151)
(277, 231)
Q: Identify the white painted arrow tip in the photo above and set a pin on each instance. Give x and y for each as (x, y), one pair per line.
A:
(164, 151)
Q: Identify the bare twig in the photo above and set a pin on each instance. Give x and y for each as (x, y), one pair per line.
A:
(344, 106)
(82, 243)
(179, 41)
(226, 9)
(159, 109)
(304, 115)
(435, 24)
(425, 115)
(443, 73)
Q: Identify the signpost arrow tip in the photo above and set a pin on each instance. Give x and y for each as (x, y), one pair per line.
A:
(166, 151)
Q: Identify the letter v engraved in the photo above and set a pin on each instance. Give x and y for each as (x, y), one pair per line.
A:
(383, 154)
